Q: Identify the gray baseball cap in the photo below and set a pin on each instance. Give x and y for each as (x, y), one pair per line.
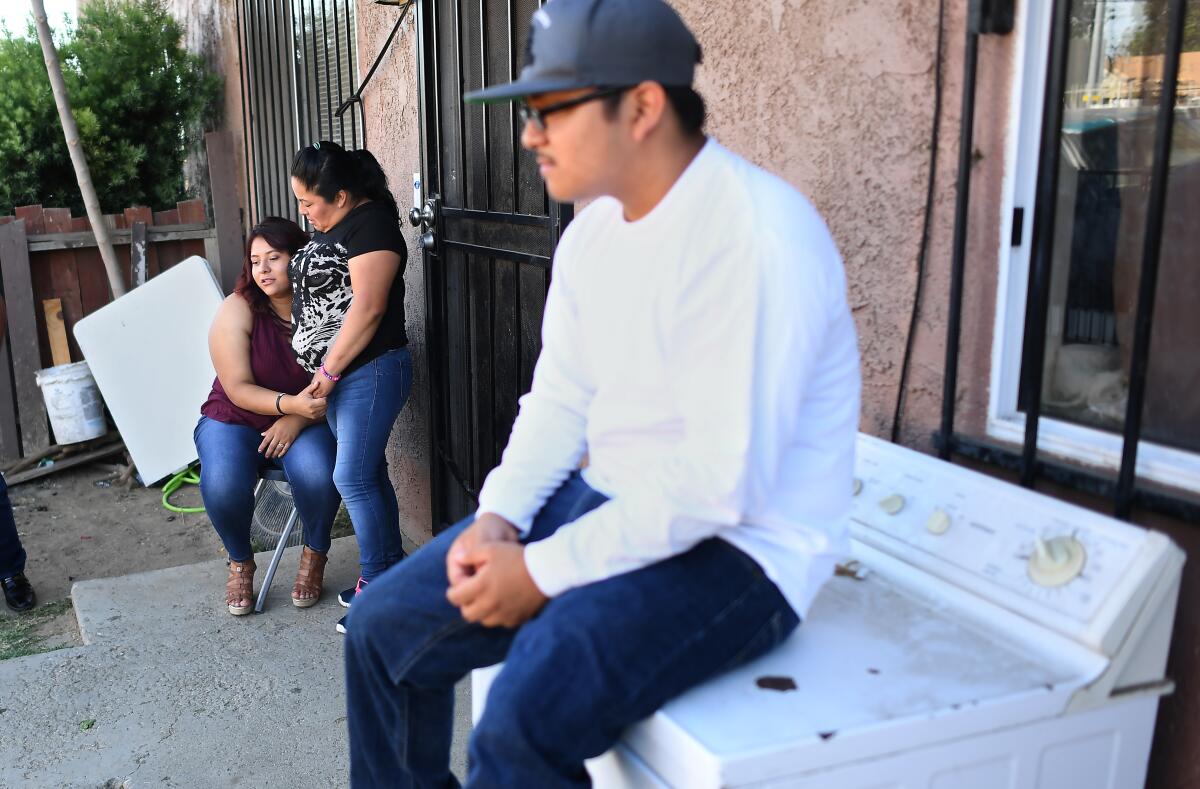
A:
(590, 43)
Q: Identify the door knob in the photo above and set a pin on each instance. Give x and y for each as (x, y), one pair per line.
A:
(426, 214)
(428, 241)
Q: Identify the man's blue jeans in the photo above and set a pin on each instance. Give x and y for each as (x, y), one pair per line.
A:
(596, 659)
(362, 409)
(229, 464)
(12, 555)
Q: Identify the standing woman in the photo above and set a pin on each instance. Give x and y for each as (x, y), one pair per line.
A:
(348, 313)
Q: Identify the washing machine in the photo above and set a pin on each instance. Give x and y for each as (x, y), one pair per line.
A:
(983, 636)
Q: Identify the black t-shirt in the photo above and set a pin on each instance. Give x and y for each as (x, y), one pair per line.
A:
(320, 274)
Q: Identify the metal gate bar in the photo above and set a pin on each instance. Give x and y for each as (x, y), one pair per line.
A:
(1151, 251)
(1042, 240)
(285, 50)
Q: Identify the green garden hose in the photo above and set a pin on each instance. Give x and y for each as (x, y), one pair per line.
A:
(189, 476)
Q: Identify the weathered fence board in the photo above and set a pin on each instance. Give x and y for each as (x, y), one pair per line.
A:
(227, 248)
(10, 436)
(56, 329)
(23, 336)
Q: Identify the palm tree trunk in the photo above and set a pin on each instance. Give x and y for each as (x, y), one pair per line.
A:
(75, 147)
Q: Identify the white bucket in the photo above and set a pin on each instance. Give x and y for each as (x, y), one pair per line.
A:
(72, 402)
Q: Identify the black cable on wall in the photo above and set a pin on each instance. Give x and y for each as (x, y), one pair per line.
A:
(926, 230)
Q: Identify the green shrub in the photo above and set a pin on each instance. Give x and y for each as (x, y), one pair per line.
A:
(140, 99)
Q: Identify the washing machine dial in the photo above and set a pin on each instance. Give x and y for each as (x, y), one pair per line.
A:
(1056, 561)
(892, 504)
(938, 523)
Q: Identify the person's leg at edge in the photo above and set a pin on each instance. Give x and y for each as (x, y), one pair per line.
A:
(229, 462)
(12, 555)
(18, 592)
(633, 642)
(362, 410)
(407, 647)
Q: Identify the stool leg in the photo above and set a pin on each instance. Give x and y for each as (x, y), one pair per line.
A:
(283, 538)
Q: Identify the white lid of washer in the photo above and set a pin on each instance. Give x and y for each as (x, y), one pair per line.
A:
(876, 670)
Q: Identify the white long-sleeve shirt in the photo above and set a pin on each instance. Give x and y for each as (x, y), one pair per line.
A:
(705, 359)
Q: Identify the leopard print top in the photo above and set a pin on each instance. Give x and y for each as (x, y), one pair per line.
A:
(321, 293)
(321, 297)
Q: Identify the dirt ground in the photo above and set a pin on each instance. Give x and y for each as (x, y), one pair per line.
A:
(75, 526)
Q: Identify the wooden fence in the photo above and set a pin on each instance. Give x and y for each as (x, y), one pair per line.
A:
(53, 276)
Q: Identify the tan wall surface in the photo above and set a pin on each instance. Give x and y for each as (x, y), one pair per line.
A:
(923, 392)
(393, 135)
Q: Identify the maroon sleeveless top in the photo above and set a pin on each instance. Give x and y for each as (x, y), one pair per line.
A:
(273, 365)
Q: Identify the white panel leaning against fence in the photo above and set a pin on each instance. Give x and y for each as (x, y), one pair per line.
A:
(148, 351)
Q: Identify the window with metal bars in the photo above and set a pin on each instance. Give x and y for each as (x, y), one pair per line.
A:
(1098, 330)
(299, 66)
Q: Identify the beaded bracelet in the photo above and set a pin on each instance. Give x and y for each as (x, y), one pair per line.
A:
(329, 375)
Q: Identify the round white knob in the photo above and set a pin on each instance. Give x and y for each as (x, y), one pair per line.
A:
(892, 504)
(1056, 561)
(938, 522)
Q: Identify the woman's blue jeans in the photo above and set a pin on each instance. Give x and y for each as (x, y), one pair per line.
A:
(362, 409)
(596, 659)
(12, 555)
(229, 465)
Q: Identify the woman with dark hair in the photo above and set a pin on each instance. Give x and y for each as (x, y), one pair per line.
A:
(348, 313)
(259, 414)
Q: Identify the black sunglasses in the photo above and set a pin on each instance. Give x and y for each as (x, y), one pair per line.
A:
(537, 115)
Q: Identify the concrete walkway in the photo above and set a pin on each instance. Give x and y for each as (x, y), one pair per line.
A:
(183, 694)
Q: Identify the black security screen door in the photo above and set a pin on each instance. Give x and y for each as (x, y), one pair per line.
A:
(489, 233)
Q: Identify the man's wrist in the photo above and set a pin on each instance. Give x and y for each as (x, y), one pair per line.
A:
(494, 520)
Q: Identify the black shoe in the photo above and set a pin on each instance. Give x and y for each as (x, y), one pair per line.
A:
(18, 593)
(347, 596)
(341, 625)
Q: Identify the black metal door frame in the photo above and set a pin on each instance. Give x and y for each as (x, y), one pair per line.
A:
(464, 236)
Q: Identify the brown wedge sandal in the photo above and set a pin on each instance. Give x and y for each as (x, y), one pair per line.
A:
(310, 578)
(239, 587)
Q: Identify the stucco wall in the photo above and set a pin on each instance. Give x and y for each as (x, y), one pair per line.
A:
(922, 396)
(393, 135)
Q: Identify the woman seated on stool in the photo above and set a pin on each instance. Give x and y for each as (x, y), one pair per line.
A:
(253, 419)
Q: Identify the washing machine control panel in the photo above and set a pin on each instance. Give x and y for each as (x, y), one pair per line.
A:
(987, 534)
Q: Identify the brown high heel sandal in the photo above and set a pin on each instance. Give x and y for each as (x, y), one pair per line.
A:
(239, 587)
(310, 578)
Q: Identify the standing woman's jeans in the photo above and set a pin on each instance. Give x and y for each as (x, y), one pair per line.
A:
(12, 555)
(362, 409)
(229, 464)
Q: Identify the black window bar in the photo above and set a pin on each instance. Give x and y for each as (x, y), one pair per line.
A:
(298, 65)
(1123, 491)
